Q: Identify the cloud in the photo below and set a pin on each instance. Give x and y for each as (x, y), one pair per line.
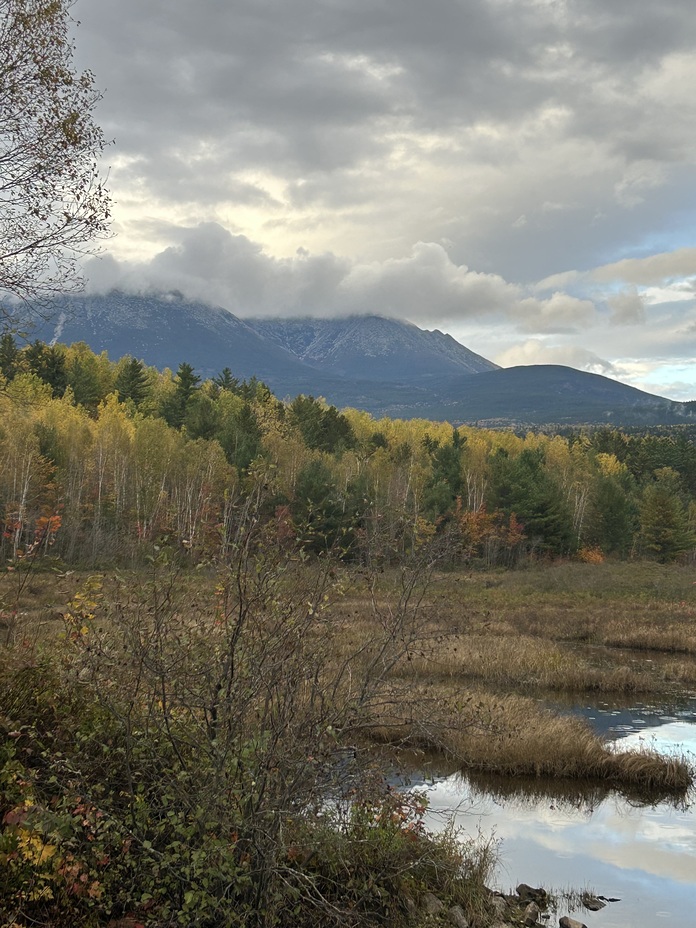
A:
(211, 264)
(534, 136)
(510, 170)
(559, 313)
(208, 262)
(535, 351)
(650, 270)
(627, 308)
(667, 277)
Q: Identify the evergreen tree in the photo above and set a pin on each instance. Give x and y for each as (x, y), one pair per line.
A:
(522, 487)
(83, 379)
(48, 363)
(132, 382)
(316, 508)
(323, 428)
(664, 528)
(186, 385)
(9, 356)
(202, 419)
(612, 514)
(240, 437)
(226, 381)
(446, 482)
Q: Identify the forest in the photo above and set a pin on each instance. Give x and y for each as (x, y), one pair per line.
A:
(101, 458)
(226, 617)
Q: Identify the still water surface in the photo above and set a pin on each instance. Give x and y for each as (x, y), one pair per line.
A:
(644, 855)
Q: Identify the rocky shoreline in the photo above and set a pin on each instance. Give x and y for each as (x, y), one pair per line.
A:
(525, 907)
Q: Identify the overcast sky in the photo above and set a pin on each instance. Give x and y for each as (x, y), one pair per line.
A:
(519, 173)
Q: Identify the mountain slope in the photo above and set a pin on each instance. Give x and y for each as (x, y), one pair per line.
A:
(166, 329)
(372, 348)
(542, 395)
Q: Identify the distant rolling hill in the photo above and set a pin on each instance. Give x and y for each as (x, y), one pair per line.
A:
(545, 394)
(384, 366)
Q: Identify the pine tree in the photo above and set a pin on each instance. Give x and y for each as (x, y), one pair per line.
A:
(226, 381)
(186, 385)
(48, 363)
(522, 487)
(9, 356)
(664, 529)
(132, 382)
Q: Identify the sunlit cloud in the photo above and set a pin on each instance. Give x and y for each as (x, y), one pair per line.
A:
(508, 171)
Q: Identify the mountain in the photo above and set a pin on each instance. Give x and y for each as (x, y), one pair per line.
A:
(384, 366)
(544, 394)
(165, 329)
(372, 348)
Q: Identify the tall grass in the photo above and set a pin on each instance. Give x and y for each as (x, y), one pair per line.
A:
(524, 663)
(514, 736)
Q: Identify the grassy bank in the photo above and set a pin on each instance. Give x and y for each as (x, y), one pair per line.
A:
(637, 605)
(169, 739)
(514, 736)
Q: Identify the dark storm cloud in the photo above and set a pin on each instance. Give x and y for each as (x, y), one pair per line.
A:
(286, 67)
(305, 86)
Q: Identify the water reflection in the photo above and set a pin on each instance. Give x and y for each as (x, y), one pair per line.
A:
(617, 718)
(584, 836)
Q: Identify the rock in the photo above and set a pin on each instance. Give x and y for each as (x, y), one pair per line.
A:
(457, 918)
(566, 922)
(499, 906)
(411, 908)
(530, 894)
(531, 914)
(431, 905)
(592, 902)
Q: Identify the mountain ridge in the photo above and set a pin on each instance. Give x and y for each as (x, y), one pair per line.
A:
(370, 362)
(371, 347)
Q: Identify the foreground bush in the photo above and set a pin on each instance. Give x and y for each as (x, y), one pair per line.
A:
(179, 756)
(103, 817)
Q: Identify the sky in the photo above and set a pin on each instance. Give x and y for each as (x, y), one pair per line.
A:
(518, 173)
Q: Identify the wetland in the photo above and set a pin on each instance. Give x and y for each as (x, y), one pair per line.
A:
(546, 714)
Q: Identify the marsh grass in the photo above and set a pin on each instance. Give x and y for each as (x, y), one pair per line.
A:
(515, 736)
(643, 606)
(32, 600)
(442, 694)
(524, 663)
(564, 628)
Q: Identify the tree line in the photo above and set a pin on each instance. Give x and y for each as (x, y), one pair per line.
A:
(121, 455)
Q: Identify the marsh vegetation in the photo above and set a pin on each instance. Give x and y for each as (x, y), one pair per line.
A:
(218, 608)
(214, 731)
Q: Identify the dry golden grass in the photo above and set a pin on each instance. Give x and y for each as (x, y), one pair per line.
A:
(31, 606)
(524, 663)
(515, 736)
(668, 634)
(476, 637)
(642, 606)
(504, 638)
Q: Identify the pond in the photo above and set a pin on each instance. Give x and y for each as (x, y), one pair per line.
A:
(589, 838)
